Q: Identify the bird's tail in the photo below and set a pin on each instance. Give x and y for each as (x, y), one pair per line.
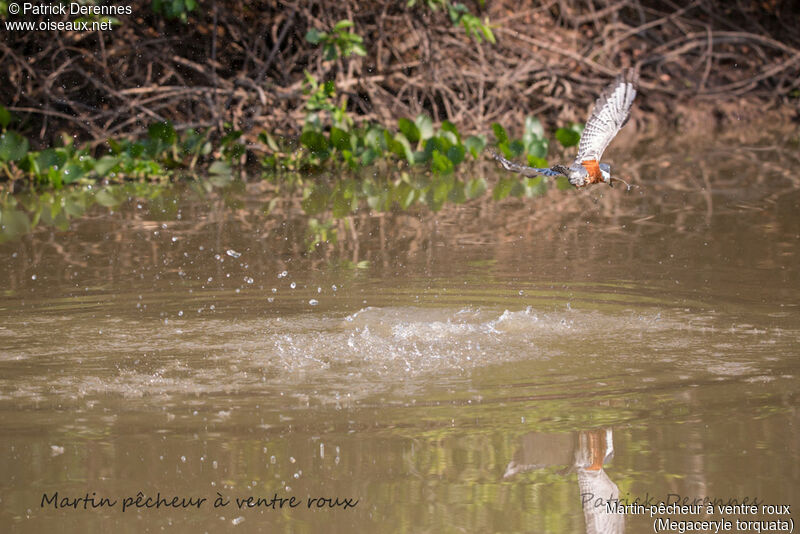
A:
(524, 170)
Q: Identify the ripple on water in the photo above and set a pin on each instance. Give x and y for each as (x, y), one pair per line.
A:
(376, 349)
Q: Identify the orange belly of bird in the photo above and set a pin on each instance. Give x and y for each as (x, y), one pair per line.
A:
(593, 168)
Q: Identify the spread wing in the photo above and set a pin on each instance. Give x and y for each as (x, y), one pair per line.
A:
(524, 170)
(610, 113)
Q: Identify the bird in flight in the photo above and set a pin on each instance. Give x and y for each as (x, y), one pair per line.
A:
(611, 111)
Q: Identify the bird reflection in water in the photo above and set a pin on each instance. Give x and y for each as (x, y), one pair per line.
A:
(585, 453)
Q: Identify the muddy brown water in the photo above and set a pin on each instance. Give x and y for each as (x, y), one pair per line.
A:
(495, 366)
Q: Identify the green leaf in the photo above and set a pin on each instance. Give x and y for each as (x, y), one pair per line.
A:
(329, 52)
(105, 164)
(475, 145)
(350, 159)
(421, 156)
(449, 139)
(342, 24)
(116, 146)
(441, 163)
(230, 137)
(533, 126)
(400, 146)
(448, 126)
(268, 140)
(340, 139)
(425, 126)
(409, 129)
(441, 142)
(71, 172)
(567, 137)
(487, 33)
(456, 154)
(499, 133)
(314, 36)
(535, 161)
(375, 139)
(538, 148)
(47, 159)
(352, 38)
(164, 132)
(369, 155)
(13, 146)
(516, 148)
(220, 168)
(314, 140)
(5, 117)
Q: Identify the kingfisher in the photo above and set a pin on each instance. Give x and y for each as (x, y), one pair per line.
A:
(610, 113)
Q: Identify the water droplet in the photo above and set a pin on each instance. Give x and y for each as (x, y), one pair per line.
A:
(33, 277)
(313, 302)
(293, 285)
(283, 274)
(248, 279)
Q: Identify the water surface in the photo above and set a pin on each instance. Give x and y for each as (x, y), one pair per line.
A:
(481, 368)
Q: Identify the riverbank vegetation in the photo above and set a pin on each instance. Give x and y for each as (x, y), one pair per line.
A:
(387, 104)
(223, 89)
